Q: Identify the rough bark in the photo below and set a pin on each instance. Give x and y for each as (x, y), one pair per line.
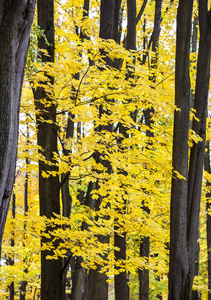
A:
(51, 270)
(15, 24)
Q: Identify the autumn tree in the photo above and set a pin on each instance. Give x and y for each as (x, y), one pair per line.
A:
(104, 119)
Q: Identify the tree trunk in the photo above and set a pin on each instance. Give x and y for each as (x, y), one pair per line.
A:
(144, 273)
(116, 33)
(78, 280)
(100, 285)
(208, 223)
(198, 149)
(178, 270)
(186, 194)
(26, 208)
(12, 243)
(196, 295)
(51, 270)
(148, 114)
(79, 273)
(15, 24)
(120, 280)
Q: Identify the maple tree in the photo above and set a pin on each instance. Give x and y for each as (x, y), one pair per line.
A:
(107, 96)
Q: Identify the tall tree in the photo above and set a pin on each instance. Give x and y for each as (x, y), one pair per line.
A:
(208, 222)
(49, 188)
(11, 260)
(15, 22)
(120, 279)
(148, 114)
(100, 285)
(186, 192)
(178, 271)
(26, 208)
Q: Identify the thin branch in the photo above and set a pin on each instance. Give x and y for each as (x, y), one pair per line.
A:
(141, 11)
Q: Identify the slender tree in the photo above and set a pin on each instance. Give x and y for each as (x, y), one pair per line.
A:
(178, 249)
(186, 192)
(208, 221)
(120, 279)
(196, 295)
(49, 188)
(100, 285)
(12, 243)
(148, 114)
(26, 208)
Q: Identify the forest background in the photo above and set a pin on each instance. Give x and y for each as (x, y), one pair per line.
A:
(94, 169)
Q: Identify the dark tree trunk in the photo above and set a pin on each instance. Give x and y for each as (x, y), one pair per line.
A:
(208, 207)
(51, 270)
(66, 201)
(148, 114)
(144, 273)
(131, 25)
(194, 42)
(198, 149)
(15, 24)
(100, 285)
(120, 280)
(178, 271)
(24, 282)
(88, 285)
(12, 243)
(116, 32)
(78, 280)
(186, 194)
(196, 295)
(106, 19)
